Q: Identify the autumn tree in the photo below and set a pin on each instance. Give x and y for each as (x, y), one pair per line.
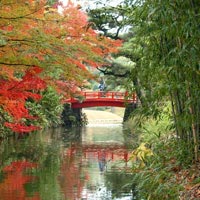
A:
(63, 44)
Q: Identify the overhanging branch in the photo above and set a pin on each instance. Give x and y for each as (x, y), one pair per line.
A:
(106, 72)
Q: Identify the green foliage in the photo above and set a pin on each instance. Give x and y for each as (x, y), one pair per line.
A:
(4, 132)
(48, 110)
(164, 45)
(149, 129)
(52, 2)
(158, 178)
(110, 21)
(155, 176)
(73, 117)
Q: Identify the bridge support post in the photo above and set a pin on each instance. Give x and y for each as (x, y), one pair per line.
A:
(73, 116)
(128, 110)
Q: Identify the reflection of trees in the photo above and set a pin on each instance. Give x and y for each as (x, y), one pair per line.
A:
(60, 172)
(42, 149)
(46, 150)
(14, 180)
(131, 137)
(47, 183)
(116, 182)
(73, 177)
(32, 148)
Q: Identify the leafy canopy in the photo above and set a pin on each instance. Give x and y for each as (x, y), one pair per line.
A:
(33, 33)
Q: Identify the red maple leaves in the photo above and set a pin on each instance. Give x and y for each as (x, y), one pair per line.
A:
(15, 92)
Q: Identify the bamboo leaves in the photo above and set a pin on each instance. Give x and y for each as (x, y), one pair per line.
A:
(166, 45)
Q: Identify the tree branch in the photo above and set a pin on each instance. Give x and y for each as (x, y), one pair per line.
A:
(106, 72)
(16, 64)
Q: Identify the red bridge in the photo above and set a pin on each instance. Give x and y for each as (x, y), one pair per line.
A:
(96, 99)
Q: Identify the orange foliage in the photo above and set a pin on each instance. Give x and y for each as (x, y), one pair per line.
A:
(34, 34)
(38, 34)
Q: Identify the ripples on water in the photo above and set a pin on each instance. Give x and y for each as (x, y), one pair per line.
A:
(78, 164)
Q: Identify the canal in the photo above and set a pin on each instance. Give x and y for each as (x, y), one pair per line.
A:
(89, 163)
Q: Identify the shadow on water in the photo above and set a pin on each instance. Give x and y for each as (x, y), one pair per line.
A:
(66, 164)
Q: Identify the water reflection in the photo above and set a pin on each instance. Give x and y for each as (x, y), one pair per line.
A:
(78, 164)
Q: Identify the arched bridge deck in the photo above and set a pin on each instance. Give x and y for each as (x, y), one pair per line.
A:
(97, 99)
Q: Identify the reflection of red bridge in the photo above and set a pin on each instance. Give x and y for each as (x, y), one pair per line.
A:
(76, 164)
(110, 152)
(93, 99)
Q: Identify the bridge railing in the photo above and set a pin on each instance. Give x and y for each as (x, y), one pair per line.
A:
(106, 95)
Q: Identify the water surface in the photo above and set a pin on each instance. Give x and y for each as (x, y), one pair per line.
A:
(58, 164)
